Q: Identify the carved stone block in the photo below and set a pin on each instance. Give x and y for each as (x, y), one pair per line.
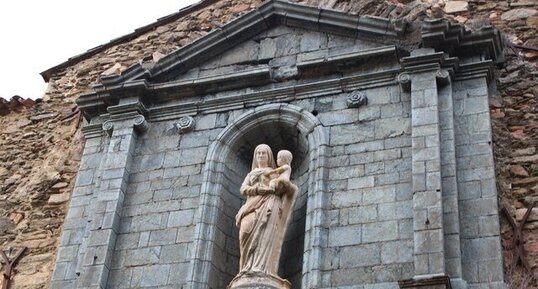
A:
(185, 124)
(356, 99)
(259, 281)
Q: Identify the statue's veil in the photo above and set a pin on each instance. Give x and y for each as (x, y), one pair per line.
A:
(271, 161)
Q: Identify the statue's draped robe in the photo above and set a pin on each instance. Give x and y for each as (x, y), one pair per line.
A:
(263, 222)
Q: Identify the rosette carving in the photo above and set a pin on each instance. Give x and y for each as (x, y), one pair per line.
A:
(356, 98)
(185, 124)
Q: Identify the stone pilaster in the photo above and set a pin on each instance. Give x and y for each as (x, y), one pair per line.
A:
(449, 188)
(427, 196)
(428, 228)
(126, 121)
(76, 227)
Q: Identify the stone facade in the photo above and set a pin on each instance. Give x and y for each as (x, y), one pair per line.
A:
(46, 138)
(393, 157)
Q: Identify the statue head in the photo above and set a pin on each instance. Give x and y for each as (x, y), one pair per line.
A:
(284, 157)
(263, 157)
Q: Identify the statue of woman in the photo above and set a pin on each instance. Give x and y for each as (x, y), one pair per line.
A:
(264, 218)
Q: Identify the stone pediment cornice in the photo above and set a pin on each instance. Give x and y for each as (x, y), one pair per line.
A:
(456, 40)
(257, 21)
(154, 81)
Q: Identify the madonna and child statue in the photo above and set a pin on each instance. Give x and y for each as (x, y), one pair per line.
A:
(263, 220)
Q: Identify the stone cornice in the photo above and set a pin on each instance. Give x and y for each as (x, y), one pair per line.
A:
(160, 93)
(435, 61)
(128, 113)
(96, 102)
(284, 94)
(105, 95)
(93, 130)
(456, 40)
(200, 86)
(92, 104)
(474, 70)
(155, 85)
(348, 58)
(120, 112)
(423, 62)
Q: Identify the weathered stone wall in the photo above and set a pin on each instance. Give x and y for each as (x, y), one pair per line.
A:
(381, 215)
(513, 111)
(38, 160)
(479, 218)
(370, 191)
(515, 132)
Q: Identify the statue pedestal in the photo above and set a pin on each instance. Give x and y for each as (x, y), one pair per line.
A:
(258, 281)
(431, 282)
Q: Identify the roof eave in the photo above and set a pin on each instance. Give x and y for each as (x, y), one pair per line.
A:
(47, 74)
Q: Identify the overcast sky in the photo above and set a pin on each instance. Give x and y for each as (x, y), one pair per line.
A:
(36, 35)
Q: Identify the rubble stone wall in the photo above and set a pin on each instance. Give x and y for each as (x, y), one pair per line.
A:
(39, 158)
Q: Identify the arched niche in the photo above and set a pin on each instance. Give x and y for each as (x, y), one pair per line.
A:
(215, 254)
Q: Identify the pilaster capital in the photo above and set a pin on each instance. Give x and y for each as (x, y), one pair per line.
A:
(129, 112)
(443, 77)
(404, 79)
(138, 122)
(108, 127)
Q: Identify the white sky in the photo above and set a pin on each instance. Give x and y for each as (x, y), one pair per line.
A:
(36, 35)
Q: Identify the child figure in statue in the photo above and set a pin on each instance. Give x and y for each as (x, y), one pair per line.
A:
(281, 182)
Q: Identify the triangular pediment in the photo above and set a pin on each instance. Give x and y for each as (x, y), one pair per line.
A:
(275, 42)
(280, 50)
(269, 17)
